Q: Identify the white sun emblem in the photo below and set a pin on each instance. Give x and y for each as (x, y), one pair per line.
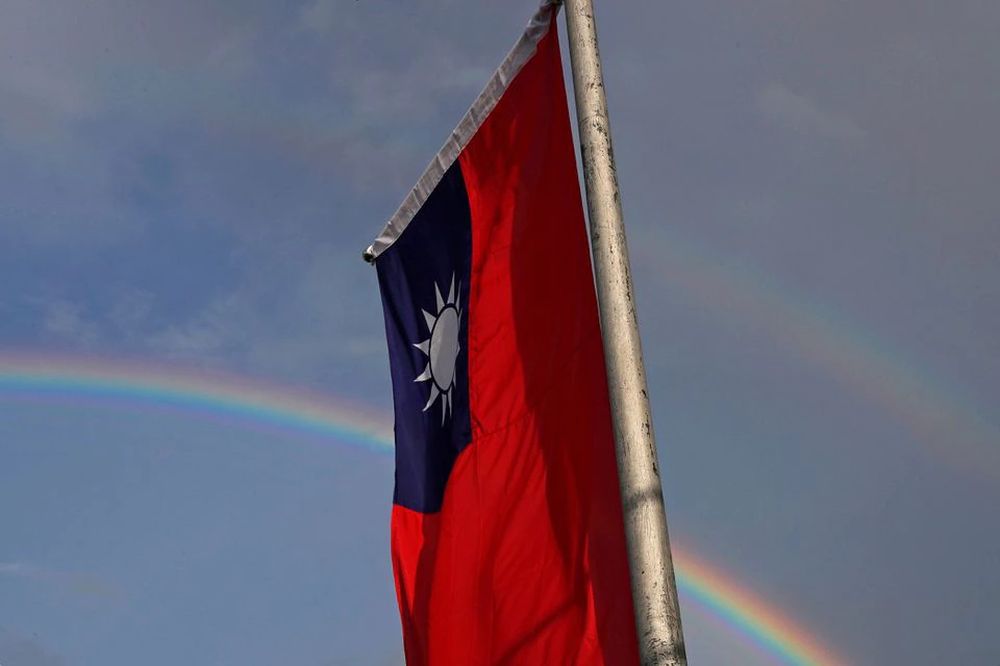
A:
(441, 348)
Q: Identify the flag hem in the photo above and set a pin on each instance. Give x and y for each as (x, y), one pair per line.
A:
(522, 51)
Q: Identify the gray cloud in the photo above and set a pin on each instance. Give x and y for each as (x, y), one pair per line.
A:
(94, 90)
(803, 115)
(16, 650)
(317, 16)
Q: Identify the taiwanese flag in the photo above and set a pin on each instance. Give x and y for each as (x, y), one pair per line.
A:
(507, 537)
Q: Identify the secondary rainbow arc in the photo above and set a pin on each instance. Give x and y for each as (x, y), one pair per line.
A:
(938, 414)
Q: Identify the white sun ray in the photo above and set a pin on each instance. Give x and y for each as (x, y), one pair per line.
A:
(430, 401)
(425, 375)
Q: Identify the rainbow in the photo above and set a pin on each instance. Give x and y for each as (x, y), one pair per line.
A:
(941, 418)
(746, 614)
(134, 384)
(210, 394)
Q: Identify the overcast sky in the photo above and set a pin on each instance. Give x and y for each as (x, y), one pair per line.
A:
(810, 189)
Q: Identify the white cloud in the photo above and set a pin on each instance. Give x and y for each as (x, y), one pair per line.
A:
(13, 569)
(69, 322)
(233, 55)
(131, 311)
(801, 114)
(121, 317)
(77, 583)
(218, 330)
(297, 315)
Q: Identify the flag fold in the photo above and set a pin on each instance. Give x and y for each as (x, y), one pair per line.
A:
(507, 537)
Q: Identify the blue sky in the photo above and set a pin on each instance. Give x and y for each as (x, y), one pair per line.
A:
(809, 189)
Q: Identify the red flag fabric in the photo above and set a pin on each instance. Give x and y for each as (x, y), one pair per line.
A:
(507, 537)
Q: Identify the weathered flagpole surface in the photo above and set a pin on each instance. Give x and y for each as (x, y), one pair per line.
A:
(654, 590)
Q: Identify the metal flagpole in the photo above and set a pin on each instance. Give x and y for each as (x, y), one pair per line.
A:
(654, 590)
